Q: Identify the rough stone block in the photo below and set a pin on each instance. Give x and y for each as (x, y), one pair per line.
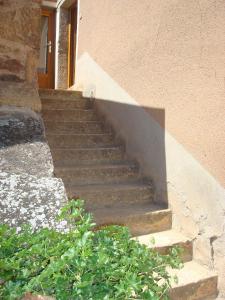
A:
(31, 158)
(30, 199)
(19, 126)
(28, 191)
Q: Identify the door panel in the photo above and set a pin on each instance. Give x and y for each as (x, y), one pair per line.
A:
(72, 43)
(46, 58)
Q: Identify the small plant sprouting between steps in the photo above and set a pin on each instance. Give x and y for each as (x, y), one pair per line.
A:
(81, 263)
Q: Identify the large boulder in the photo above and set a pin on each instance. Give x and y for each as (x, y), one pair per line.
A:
(23, 148)
(29, 193)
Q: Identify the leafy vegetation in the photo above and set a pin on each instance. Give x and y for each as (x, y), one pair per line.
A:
(81, 263)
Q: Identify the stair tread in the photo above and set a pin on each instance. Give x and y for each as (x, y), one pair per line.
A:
(102, 165)
(111, 186)
(52, 93)
(56, 91)
(118, 210)
(79, 134)
(91, 148)
(68, 110)
(52, 98)
(163, 238)
(73, 163)
(192, 272)
(76, 122)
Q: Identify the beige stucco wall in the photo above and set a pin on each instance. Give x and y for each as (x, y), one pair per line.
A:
(167, 54)
(157, 70)
(19, 52)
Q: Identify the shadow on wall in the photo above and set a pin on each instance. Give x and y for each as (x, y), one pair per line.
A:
(144, 139)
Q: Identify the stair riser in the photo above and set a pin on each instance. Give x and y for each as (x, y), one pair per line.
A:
(73, 157)
(60, 95)
(70, 141)
(76, 127)
(201, 290)
(96, 199)
(81, 103)
(69, 115)
(142, 224)
(98, 175)
(186, 247)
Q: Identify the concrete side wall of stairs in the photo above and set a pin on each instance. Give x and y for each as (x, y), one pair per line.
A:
(196, 198)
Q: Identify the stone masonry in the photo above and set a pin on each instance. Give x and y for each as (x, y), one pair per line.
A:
(19, 52)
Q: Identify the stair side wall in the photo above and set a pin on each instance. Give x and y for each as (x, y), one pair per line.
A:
(156, 70)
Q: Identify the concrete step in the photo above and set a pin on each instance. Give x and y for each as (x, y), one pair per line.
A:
(98, 173)
(69, 115)
(106, 195)
(194, 282)
(140, 218)
(76, 127)
(59, 94)
(79, 140)
(52, 103)
(72, 157)
(164, 240)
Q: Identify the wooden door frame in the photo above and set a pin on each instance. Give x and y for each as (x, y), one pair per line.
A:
(51, 36)
(72, 43)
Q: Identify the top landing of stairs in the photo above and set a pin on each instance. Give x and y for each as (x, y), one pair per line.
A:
(59, 94)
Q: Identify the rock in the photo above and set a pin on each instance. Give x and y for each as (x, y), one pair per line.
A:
(18, 93)
(30, 199)
(29, 296)
(19, 52)
(19, 126)
(23, 148)
(28, 191)
(32, 158)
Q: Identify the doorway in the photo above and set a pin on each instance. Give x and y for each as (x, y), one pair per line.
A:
(72, 38)
(47, 50)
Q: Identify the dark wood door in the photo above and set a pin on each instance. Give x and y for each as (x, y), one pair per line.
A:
(72, 43)
(46, 58)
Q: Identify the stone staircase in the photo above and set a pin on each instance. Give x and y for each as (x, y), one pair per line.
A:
(94, 166)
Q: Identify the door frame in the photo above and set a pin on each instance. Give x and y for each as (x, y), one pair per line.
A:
(72, 43)
(50, 13)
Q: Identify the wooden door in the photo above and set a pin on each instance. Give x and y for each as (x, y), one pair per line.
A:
(46, 58)
(72, 43)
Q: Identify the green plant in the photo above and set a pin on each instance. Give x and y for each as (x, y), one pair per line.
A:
(82, 263)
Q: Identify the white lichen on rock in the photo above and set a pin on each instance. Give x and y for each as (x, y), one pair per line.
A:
(30, 199)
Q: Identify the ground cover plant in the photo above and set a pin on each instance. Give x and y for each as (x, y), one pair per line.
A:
(81, 263)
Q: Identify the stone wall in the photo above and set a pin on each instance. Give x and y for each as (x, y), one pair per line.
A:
(19, 52)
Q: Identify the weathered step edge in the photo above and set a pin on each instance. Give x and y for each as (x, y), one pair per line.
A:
(194, 282)
(163, 241)
(106, 195)
(98, 173)
(149, 220)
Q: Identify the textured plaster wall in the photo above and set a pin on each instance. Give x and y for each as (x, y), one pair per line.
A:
(19, 52)
(169, 56)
